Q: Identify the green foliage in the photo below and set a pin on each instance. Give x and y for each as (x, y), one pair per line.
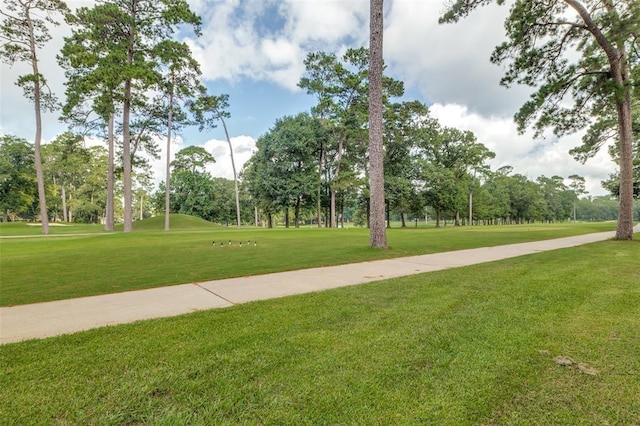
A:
(208, 110)
(193, 159)
(341, 86)
(18, 187)
(404, 125)
(448, 161)
(123, 46)
(282, 173)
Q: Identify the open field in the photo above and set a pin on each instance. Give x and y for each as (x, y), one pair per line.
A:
(474, 345)
(38, 269)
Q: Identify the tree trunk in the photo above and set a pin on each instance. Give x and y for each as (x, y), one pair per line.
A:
(319, 200)
(296, 213)
(624, 230)
(470, 208)
(42, 201)
(332, 214)
(616, 54)
(63, 199)
(387, 212)
(108, 225)
(126, 134)
(70, 214)
(378, 232)
(126, 159)
(233, 166)
(167, 174)
(141, 205)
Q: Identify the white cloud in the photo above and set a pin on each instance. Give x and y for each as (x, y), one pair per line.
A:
(243, 148)
(449, 63)
(525, 154)
(326, 21)
(235, 44)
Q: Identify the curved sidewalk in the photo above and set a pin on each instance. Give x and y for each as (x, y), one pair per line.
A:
(48, 319)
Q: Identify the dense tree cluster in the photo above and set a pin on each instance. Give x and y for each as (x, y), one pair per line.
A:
(76, 179)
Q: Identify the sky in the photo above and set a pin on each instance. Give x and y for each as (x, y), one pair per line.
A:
(253, 50)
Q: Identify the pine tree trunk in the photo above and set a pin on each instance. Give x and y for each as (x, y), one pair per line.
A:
(616, 54)
(378, 232)
(126, 133)
(108, 225)
(319, 200)
(167, 189)
(332, 214)
(233, 167)
(63, 199)
(42, 201)
(126, 159)
(625, 215)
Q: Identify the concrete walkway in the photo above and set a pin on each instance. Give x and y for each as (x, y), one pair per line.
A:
(48, 319)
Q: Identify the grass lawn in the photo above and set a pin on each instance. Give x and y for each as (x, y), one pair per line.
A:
(66, 264)
(473, 345)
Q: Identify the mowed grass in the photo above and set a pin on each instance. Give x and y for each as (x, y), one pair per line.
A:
(473, 345)
(37, 269)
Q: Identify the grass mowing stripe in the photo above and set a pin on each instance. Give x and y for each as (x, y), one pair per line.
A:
(44, 269)
(472, 345)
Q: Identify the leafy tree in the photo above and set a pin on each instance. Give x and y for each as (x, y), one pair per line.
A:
(557, 197)
(281, 173)
(217, 106)
(138, 30)
(66, 163)
(179, 85)
(18, 186)
(321, 76)
(193, 159)
(92, 191)
(192, 189)
(342, 87)
(451, 154)
(440, 188)
(526, 199)
(582, 64)
(23, 32)
(405, 124)
(91, 58)
(497, 187)
(577, 185)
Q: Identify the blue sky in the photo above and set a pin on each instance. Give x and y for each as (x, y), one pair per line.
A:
(253, 50)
